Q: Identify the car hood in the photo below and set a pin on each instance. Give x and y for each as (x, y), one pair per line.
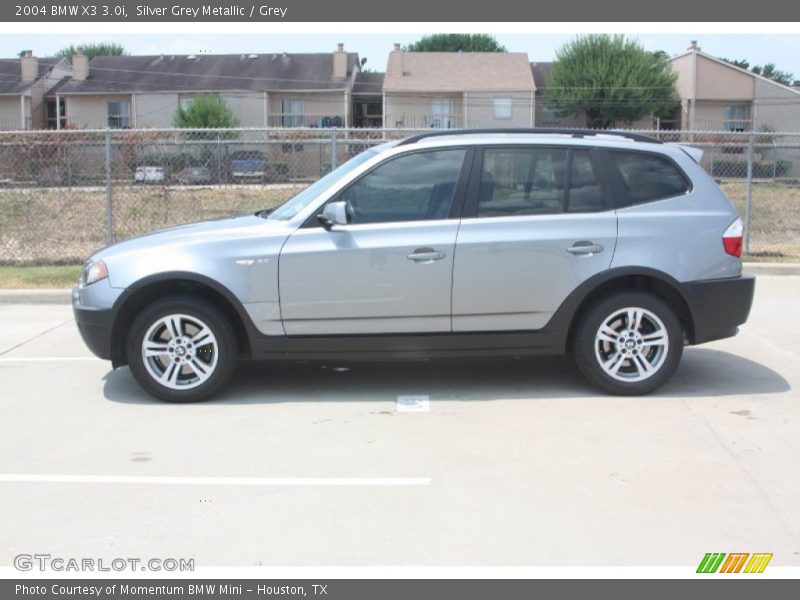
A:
(217, 230)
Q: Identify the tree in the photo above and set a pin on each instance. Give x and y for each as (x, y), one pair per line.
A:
(456, 42)
(205, 112)
(610, 79)
(742, 64)
(769, 70)
(92, 50)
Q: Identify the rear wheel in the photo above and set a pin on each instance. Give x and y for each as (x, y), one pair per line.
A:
(628, 343)
(182, 349)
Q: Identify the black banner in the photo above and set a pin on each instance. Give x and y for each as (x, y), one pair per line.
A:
(188, 11)
(396, 589)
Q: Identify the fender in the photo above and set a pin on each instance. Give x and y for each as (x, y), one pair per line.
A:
(120, 315)
(560, 324)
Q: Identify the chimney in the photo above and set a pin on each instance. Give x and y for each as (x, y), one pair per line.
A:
(395, 66)
(29, 66)
(80, 65)
(340, 62)
(693, 46)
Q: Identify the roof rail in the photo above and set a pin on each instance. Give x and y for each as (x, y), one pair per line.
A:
(576, 133)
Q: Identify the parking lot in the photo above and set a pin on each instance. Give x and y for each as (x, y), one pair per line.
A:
(516, 462)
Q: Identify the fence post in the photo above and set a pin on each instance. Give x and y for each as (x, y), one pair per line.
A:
(333, 149)
(109, 196)
(749, 197)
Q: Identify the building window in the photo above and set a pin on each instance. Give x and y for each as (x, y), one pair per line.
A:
(548, 116)
(119, 114)
(442, 113)
(502, 108)
(735, 116)
(53, 114)
(292, 113)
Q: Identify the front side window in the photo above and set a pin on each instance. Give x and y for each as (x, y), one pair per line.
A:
(119, 114)
(413, 187)
(502, 108)
(522, 181)
(649, 177)
(292, 112)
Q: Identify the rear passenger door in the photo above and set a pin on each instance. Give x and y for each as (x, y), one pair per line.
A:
(537, 222)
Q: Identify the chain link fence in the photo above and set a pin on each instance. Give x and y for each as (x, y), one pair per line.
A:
(64, 194)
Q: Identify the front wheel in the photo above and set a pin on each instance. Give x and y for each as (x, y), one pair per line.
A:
(181, 349)
(629, 343)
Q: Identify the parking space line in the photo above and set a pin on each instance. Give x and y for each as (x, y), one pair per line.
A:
(37, 336)
(47, 358)
(220, 481)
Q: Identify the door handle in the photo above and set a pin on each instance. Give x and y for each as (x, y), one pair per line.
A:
(425, 255)
(585, 248)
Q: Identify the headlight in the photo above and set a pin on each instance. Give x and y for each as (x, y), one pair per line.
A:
(94, 272)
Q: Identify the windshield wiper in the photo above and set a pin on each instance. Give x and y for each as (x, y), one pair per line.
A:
(264, 212)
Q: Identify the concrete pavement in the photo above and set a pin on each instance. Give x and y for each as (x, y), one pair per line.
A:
(517, 462)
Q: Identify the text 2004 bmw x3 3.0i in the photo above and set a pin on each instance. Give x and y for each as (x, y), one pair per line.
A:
(614, 248)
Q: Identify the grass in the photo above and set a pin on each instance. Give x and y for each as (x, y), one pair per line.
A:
(39, 276)
(774, 219)
(57, 226)
(53, 226)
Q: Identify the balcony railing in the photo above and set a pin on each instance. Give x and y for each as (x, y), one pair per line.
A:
(305, 120)
(11, 125)
(722, 125)
(449, 121)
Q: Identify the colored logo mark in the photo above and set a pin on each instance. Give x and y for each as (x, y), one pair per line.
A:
(734, 562)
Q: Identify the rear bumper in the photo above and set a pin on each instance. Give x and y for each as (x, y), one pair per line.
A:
(719, 306)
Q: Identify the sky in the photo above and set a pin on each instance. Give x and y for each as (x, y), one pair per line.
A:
(782, 49)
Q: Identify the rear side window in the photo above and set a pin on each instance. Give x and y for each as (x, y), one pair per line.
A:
(649, 177)
(585, 191)
(522, 181)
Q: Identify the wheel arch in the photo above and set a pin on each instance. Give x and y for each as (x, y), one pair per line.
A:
(656, 282)
(147, 289)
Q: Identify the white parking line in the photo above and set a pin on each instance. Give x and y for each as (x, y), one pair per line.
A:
(48, 358)
(221, 481)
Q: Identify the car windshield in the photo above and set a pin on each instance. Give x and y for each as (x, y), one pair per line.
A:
(300, 201)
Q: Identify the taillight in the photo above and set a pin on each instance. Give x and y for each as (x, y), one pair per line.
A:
(732, 238)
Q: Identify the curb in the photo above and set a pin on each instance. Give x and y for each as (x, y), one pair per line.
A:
(64, 296)
(771, 268)
(58, 296)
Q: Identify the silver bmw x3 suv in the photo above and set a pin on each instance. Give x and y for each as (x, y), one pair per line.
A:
(608, 246)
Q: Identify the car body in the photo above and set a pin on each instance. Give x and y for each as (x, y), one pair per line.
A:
(149, 174)
(611, 247)
(248, 165)
(195, 173)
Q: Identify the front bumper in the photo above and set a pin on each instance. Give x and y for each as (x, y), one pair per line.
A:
(719, 306)
(95, 329)
(93, 307)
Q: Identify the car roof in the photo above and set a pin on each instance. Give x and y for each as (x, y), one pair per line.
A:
(589, 138)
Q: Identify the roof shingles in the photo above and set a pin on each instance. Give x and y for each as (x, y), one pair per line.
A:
(211, 73)
(460, 71)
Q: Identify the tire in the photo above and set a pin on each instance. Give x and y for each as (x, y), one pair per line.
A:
(628, 360)
(187, 367)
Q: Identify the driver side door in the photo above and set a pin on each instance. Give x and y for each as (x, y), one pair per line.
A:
(389, 269)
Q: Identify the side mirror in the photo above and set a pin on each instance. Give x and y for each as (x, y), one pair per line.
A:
(334, 213)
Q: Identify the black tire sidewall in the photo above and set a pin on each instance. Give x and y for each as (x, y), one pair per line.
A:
(584, 340)
(212, 317)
